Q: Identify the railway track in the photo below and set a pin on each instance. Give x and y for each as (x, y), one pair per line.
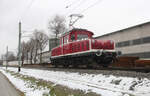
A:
(144, 70)
(124, 72)
(135, 69)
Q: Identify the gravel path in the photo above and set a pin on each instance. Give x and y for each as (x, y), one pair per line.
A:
(6, 89)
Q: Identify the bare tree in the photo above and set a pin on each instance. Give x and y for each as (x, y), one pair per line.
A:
(1, 59)
(35, 45)
(27, 46)
(31, 49)
(57, 25)
(41, 40)
(10, 57)
(25, 49)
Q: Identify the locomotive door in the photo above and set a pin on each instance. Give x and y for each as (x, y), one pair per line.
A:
(65, 48)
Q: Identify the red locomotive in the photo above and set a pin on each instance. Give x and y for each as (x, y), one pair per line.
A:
(77, 47)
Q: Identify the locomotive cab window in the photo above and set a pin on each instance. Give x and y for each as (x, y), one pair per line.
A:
(61, 41)
(82, 36)
(72, 37)
(66, 39)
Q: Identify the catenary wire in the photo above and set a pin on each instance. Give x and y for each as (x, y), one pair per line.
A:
(79, 4)
(91, 6)
(97, 2)
(74, 2)
(26, 10)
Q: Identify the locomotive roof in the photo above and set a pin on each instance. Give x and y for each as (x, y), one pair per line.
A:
(77, 29)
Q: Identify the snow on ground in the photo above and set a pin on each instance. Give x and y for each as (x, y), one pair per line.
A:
(98, 83)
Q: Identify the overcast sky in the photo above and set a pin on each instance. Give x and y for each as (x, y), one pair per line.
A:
(100, 16)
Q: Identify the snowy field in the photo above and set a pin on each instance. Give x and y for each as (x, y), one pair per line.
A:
(105, 85)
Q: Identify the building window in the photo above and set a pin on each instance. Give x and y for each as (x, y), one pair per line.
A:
(136, 41)
(119, 44)
(133, 42)
(146, 40)
(126, 43)
(123, 44)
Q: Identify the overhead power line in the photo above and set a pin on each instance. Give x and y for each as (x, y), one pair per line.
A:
(74, 5)
(79, 4)
(27, 8)
(74, 2)
(91, 6)
(81, 12)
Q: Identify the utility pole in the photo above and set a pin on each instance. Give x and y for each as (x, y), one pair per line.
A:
(6, 57)
(19, 48)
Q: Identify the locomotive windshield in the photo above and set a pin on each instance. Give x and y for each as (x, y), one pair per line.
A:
(82, 36)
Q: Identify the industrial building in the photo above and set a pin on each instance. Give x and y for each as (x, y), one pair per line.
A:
(53, 42)
(132, 41)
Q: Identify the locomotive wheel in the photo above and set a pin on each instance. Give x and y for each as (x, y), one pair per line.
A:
(108, 61)
(89, 66)
(75, 66)
(55, 66)
(105, 65)
(66, 66)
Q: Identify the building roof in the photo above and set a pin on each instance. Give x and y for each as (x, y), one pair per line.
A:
(124, 29)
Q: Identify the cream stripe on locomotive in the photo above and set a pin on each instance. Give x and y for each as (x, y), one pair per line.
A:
(93, 50)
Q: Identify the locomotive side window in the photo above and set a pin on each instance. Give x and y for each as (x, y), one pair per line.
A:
(72, 37)
(66, 39)
(61, 41)
(82, 36)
